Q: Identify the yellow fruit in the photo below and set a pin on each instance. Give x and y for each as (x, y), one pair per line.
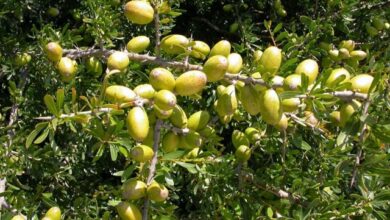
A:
(190, 83)
(53, 12)
(138, 123)
(252, 134)
(157, 192)
(334, 54)
(139, 12)
(235, 63)
(161, 78)
(54, 213)
(270, 108)
(227, 102)
(165, 99)
(193, 153)
(18, 217)
(138, 44)
(335, 74)
(198, 120)
(192, 139)
(282, 124)
(178, 117)
(308, 67)
(128, 211)
(22, 59)
(225, 119)
(270, 61)
(220, 90)
(335, 117)
(291, 104)
(118, 61)
(94, 66)
(46, 218)
(344, 53)
(119, 94)
(215, 68)
(250, 99)
(145, 91)
(243, 153)
(133, 189)
(161, 113)
(222, 48)
(174, 44)
(170, 142)
(257, 55)
(239, 138)
(142, 153)
(361, 83)
(347, 44)
(358, 55)
(292, 82)
(347, 110)
(200, 50)
(67, 69)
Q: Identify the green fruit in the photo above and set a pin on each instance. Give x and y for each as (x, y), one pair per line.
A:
(207, 132)
(361, 83)
(138, 44)
(53, 51)
(335, 117)
(67, 69)
(347, 44)
(308, 67)
(18, 217)
(165, 99)
(118, 61)
(157, 192)
(145, 91)
(170, 142)
(139, 12)
(54, 213)
(128, 211)
(281, 12)
(379, 23)
(235, 63)
(270, 61)
(192, 153)
(257, 56)
(222, 48)
(253, 134)
(174, 44)
(190, 83)
(142, 153)
(227, 102)
(200, 50)
(344, 53)
(358, 55)
(94, 66)
(239, 138)
(119, 94)
(148, 141)
(161, 78)
(282, 123)
(270, 108)
(243, 153)
(53, 12)
(161, 113)
(198, 120)
(371, 30)
(133, 189)
(22, 59)
(347, 110)
(291, 104)
(334, 77)
(192, 139)
(138, 123)
(233, 27)
(225, 119)
(215, 68)
(227, 8)
(292, 82)
(325, 46)
(178, 117)
(250, 99)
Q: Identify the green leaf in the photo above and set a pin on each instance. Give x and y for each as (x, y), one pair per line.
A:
(43, 136)
(299, 142)
(114, 152)
(174, 155)
(190, 167)
(278, 28)
(100, 152)
(128, 172)
(35, 132)
(51, 105)
(289, 94)
(60, 96)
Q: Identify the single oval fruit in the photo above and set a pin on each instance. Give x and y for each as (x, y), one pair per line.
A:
(128, 211)
(335, 117)
(94, 66)
(138, 123)
(145, 91)
(257, 56)
(161, 78)
(139, 12)
(282, 124)
(292, 82)
(347, 110)
(178, 117)
(190, 83)
(119, 94)
(250, 101)
(133, 189)
(198, 120)
(234, 63)
(291, 104)
(239, 138)
(138, 44)
(334, 76)
(157, 192)
(174, 44)
(161, 113)
(215, 68)
(53, 12)
(222, 48)
(334, 54)
(53, 51)
(270, 109)
(54, 213)
(308, 67)
(18, 217)
(358, 55)
(142, 153)
(233, 27)
(347, 44)
(227, 102)
(270, 61)
(192, 153)
(361, 83)
(207, 132)
(192, 140)
(227, 8)
(243, 153)
(200, 50)
(118, 61)
(170, 142)
(67, 69)
(344, 53)
(165, 99)
(253, 134)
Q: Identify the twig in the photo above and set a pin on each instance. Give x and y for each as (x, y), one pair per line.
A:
(214, 27)
(91, 112)
(157, 28)
(373, 6)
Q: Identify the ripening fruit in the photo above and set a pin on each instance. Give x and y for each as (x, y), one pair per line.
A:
(335, 117)
(292, 82)
(141, 153)
(361, 83)
(22, 59)
(270, 108)
(18, 217)
(139, 12)
(178, 117)
(145, 91)
(235, 63)
(53, 51)
(334, 76)
(308, 67)
(252, 134)
(257, 56)
(118, 61)
(250, 99)
(282, 124)
(53, 12)
(165, 99)
(291, 104)
(347, 110)
(344, 53)
(347, 44)
(174, 44)
(161, 78)
(215, 68)
(200, 50)
(198, 120)
(190, 83)
(119, 94)
(358, 55)
(138, 44)
(133, 189)
(94, 66)
(243, 153)
(270, 61)
(222, 48)
(170, 142)
(192, 139)
(239, 138)
(54, 213)
(137, 123)
(162, 114)
(157, 192)
(67, 68)
(227, 102)
(128, 211)
(334, 54)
